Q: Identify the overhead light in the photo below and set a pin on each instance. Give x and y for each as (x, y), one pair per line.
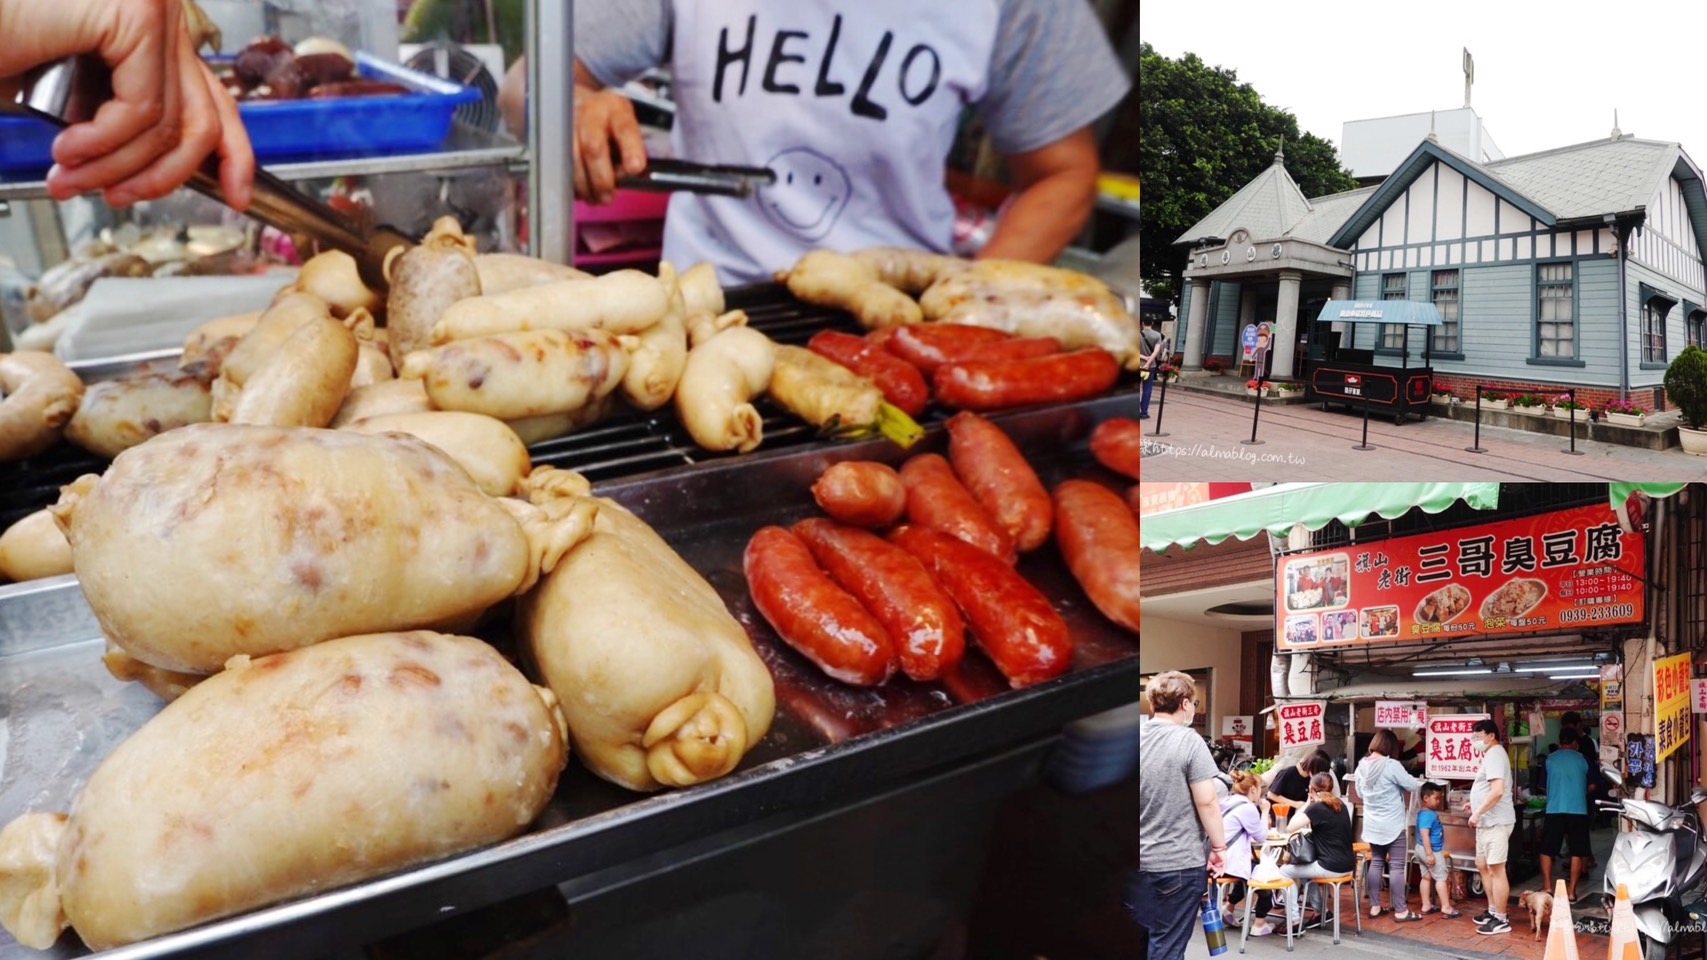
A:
(1459, 672)
(1573, 676)
(1545, 667)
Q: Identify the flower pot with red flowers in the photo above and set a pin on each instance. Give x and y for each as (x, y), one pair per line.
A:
(1627, 413)
(1495, 401)
(1215, 365)
(1567, 409)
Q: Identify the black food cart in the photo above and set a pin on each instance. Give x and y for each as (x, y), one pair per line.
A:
(1352, 377)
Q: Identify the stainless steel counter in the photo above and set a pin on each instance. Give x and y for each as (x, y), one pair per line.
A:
(64, 713)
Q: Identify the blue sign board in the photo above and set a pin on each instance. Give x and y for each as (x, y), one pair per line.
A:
(1639, 760)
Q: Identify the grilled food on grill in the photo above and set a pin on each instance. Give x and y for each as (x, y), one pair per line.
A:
(38, 394)
(284, 776)
(219, 539)
(660, 685)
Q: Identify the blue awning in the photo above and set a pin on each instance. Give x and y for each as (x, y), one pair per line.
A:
(1381, 311)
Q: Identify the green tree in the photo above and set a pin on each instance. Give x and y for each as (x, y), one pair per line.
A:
(1202, 136)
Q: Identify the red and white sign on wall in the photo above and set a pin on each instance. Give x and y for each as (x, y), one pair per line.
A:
(1300, 725)
(1401, 713)
(1450, 755)
(1698, 695)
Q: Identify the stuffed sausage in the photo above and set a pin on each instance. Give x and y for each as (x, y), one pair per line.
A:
(285, 776)
(514, 375)
(116, 415)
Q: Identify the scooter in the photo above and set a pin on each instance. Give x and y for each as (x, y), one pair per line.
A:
(1658, 863)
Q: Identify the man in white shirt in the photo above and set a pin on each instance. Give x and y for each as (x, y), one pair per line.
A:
(1493, 816)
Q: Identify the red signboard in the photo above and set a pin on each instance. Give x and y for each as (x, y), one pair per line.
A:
(1300, 725)
(1565, 571)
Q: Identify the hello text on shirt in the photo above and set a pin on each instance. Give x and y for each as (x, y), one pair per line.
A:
(918, 77)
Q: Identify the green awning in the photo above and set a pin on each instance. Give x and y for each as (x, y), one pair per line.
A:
(1617, 493)
(1278, 508)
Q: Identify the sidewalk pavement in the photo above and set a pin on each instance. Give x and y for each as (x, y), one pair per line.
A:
(1205, 435)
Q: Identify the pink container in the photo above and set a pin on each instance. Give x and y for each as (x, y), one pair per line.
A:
(632, 213)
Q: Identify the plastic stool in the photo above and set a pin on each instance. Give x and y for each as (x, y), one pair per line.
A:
(1273, 886)
(1221, 885)
(1360, 869)
(1338, 883)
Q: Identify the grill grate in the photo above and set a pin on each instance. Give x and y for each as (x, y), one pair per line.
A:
(627, 444)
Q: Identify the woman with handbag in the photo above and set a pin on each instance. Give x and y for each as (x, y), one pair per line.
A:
(1386, 788)
(1319, 842)
(1244, 822)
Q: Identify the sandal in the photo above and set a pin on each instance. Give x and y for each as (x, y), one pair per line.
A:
(1407, 917)
(1429, 910)
(1374, 911)
(1451, 914)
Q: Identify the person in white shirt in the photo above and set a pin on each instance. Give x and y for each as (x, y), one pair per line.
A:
(855, 108)
(1493, 816)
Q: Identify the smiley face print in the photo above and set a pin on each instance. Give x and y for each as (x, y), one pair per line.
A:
(809, 194)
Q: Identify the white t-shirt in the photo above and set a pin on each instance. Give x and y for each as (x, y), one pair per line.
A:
(1495, 766)
(854, 106)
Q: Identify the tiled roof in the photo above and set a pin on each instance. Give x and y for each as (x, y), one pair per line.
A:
(1328, 213)
(1586, 179)
(1268, 206)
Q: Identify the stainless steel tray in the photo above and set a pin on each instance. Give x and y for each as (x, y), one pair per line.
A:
(64, 713)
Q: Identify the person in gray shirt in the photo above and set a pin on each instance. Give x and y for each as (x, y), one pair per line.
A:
(855, 108)
(1177, 809)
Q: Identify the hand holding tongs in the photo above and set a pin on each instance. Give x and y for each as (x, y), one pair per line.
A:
(664, 175)
(69, 91)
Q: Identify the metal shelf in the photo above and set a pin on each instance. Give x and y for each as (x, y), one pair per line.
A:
(466, 147)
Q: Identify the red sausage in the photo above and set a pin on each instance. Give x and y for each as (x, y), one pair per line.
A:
(881, 336)
(1013, 622)
(812, 614)
(900, 381)
(937, 499)
(919, 617)
(1116, 445)
(994, 385)
(862, 493)
(930, 345)
(1098, 536)
(1000, 480)
(1018, 348)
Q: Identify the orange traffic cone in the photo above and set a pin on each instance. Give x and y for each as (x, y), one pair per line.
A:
(1562, 932)
(1622, 929)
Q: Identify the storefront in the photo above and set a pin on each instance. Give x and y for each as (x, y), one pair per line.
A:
(1582, 264)
(1515, 601)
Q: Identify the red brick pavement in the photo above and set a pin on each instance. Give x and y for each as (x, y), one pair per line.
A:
(1307, 443)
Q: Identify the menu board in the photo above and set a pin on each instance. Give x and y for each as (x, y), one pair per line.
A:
(1562, 571)
(1671, 705)
(1450, 754)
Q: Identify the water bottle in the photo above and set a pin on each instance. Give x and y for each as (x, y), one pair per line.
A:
(1214, 933)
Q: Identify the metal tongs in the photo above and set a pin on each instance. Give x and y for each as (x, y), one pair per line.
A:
(664, 175)
(68, 92)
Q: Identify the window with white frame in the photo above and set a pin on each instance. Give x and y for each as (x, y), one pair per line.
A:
(1555, 314)
(1446, 303)
(1393, 334)
(1654, 313)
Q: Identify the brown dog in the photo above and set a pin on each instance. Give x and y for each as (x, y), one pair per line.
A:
(1540, 906)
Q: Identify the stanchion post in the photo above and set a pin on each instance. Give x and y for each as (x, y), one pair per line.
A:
(1161, 405)
(1365, 444)
(1477, 447)
(1571, 392)
(1256, 411)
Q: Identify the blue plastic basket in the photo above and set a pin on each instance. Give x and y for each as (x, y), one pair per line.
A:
(299, 130)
